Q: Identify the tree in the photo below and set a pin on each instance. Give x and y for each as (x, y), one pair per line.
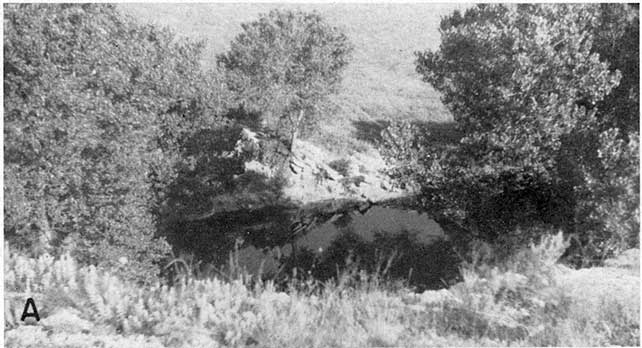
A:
(608, 208)
(284, 65)
(97, 109)
(532, 90)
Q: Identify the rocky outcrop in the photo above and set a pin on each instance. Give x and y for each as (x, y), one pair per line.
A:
(289, 194)
(311, 178)
(309, 182)
(309, 175)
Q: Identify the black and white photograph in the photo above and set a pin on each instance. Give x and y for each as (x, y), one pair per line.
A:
(329, 174)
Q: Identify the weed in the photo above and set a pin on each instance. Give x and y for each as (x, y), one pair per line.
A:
(514, 302)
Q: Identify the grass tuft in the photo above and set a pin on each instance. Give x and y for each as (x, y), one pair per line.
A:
(516, 302)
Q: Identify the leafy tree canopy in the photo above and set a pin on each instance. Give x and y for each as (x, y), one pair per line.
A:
(546, 100)
(98, 111)
(284, 65)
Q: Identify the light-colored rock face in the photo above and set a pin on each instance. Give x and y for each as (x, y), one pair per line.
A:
(310, 175)
(311, 178)
(259, 167)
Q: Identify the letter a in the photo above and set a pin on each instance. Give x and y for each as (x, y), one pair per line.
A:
(26, 314)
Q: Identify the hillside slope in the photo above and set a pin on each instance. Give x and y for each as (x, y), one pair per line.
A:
(380, 83)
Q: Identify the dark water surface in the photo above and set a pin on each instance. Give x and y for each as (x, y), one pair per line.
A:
(378, 219)
(422, 244)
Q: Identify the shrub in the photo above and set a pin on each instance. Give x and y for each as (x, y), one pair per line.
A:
(513, 302)
(533, 89)
(284, 65)
(511, 299)
(97, 110)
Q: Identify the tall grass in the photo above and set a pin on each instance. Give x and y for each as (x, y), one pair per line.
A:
(517, 302)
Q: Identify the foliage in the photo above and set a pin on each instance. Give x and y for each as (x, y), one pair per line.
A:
(284, 65)
(523, 298)
(517, 302)
(537, 92)
(98, 110)
(609, 205)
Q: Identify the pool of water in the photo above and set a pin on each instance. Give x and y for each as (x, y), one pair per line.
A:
(377, 220)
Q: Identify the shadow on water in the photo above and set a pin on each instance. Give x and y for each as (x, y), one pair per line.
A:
(395, 257)
(420, 254)
(215, 206)
(214, 201)
(420, 258)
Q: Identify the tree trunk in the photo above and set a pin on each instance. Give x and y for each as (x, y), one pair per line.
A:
(295, 131)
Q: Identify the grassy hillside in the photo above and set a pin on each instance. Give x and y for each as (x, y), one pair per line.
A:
(380, 83)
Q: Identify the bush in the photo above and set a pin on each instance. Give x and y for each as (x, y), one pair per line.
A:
(514, 302)
(97, 110)
(533, 91)
(284, 65)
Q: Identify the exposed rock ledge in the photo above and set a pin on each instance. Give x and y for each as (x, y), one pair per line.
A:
(311, 178)
(312, 184)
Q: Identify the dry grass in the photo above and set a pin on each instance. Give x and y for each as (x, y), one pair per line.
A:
(519, 302)
(379, 84)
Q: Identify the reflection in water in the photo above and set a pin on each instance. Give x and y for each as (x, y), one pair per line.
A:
(377, 219)
(420, 247)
